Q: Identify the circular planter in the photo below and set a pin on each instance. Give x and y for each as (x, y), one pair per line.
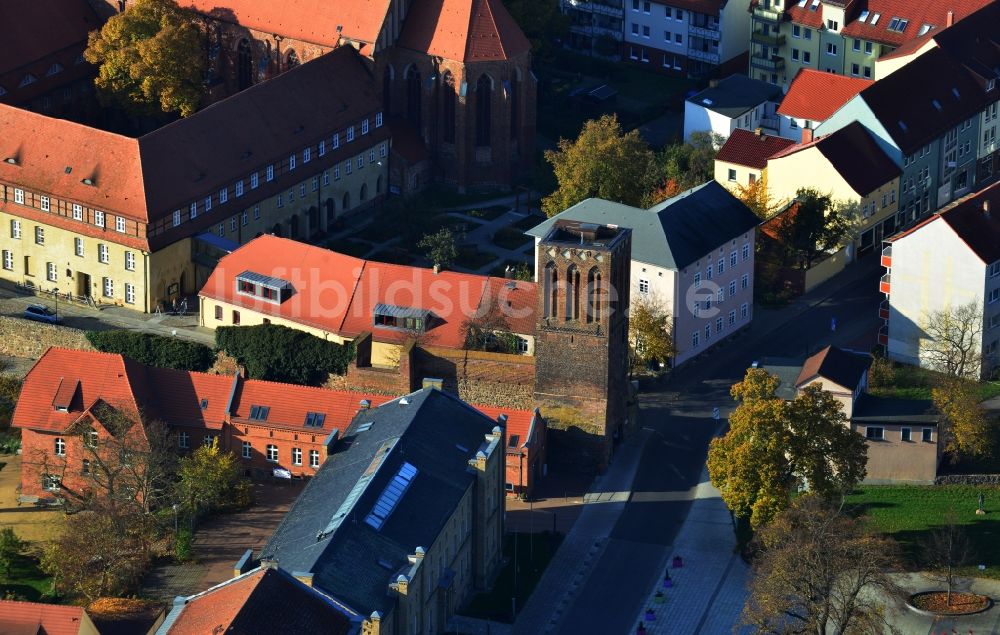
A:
(933, 603)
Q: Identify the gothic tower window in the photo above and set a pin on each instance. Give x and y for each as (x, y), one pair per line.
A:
(573, 293)
(413, 96)
(448, 107)
(244, 64)
(484, 107)
(387, 88)
(594, 293)
(551, 290)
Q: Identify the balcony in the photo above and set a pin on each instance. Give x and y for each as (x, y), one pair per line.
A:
(704, 56)
(883, 284)
(887, 256)
(770, 123)
(768, 15)
(883, 310)
(596, 7)
(773, 64)
(883, 335)
(767, 39)
(710, 33)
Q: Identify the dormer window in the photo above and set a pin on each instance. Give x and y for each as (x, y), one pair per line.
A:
(315, 419)
(404, 318)
(265, 287)
(27, 80)
(350, 133)
(259, 413)
(55, 69)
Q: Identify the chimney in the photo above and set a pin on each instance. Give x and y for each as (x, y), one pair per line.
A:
(509, 272)
(502, 420)
(948, 21)
(807, 135)
(364, 404)
(758, 132)
(986, 209)
(437, 268)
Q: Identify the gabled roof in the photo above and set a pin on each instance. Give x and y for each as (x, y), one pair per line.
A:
(34, 618)
(750, 149)
(66, 24)
(815, 95)
(735, 95)
(265, 600)
(976, 220)
(338, 293)
(872, 409)
(522, 425)
(463, 30)
(148, 178)
(314, 21)
(326, 532)
(674, 233)
(940, 94)
(836, 365)
(853, 153)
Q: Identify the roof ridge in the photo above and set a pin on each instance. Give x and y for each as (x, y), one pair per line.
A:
(485, 4)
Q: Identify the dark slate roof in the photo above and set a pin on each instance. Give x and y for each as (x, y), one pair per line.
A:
(839, 366)
(674, 233)
(786, 369)
(858, 159)
(975, 41)
(872, 409)
(979, 229)
(736, 94)
(433, 431)
(923, 99)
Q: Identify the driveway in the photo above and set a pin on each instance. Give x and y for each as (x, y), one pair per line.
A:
(221, 541)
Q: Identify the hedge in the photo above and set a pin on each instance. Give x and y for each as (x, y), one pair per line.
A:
(154, 350)
(279, 353)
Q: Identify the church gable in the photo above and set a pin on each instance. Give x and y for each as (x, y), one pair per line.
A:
(463, 30)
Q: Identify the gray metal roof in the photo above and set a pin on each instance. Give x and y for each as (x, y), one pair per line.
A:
(392, 310)
(787, 371)
(674, 233)
(325, 532)
(266, 281)
(736, 94)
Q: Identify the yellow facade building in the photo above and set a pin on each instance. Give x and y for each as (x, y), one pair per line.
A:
(141, 222)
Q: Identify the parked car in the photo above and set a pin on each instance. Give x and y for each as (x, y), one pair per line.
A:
(41, 313)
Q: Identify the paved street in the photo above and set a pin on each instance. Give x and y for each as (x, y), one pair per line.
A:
(610, 577)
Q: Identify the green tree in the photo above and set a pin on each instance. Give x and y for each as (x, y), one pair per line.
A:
(968, 431)
(774, 446)
(650, 332)
(279, 353)
(207, 477)
(819, 571)
(10, 548)
(150, 57)
(603, 162)
(953, 343)
(757, 197)
(439, 247)
(542, 22)
(692, 163)
(154, 350)
(812, 227)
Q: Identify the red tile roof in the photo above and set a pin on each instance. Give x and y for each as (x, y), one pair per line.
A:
(64, 23)
(816, 95)
(289, 404)
(518, 423)
(463, 30)
(32, 618)
(747, 148)
(263, 601)
(338, 293)
(314, 21)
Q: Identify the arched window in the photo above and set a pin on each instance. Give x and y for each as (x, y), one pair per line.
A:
(449, 98)
(387, 76)
(515, 108)
(413, 95)
(594, 295)
(291, 59)
(572, 293)
(484, 108)
(551, 290)
(347, 202)
(244, 64)
(364, 192)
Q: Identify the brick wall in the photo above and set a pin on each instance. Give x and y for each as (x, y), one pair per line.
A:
(493, 379)
(24, 338)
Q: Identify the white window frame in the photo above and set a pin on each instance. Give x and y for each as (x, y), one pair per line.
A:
(296, 456)
(254, 181)
(314, 454)
(643, 286)
(19, 196)
(15, 229)
(77, 211)
(291, 162)
(378, 120)
(78, 246)
(223, 195)
(103, 253)
(108, 287)
(239, 188)
(875, 433)
(43, 201)
(129, 293)
(8, 259)
(321, 149)
(364, 126)
(193, 210)
(183, 439)
(269, 174)
(350, 134)
(51, 272)
(39, 235)
(130, 261)
(177, 217)
(272, 453)
(247, 452)
(99, 218)
(307, 155)
(120, 224)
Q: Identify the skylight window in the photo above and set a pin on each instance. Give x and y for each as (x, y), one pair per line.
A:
(802, 3)
(259, 413)
(204, 404)
(898, 25)
(954, 91)
(864, 15)
(814, 5)
(936, 104)
(391, 496)
(315, 419)
(875, 19)
(925, 28)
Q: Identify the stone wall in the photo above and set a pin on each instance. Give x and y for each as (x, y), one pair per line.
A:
(968, 479)
(493, 379)
(24, 338)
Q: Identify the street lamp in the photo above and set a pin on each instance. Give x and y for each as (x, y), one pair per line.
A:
(175, 518)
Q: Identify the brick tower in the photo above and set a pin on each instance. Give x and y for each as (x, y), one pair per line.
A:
(581, 345)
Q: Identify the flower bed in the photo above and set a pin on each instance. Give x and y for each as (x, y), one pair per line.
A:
(961, 603)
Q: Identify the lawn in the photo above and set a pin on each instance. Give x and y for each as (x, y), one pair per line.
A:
(511, 238)
(913, 382)
(534, 551)
(910, 513)
(26, 581)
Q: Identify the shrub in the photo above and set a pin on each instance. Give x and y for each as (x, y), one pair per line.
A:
(154, 350)
(184, 545)
(279, 353)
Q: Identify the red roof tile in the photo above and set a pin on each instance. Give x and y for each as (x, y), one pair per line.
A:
(313, 21)
(65, 23)
(816, 95)
(518, 422)
(32, 618)
(747, 148)
(338, 293)
(289, 404)
(463, 30)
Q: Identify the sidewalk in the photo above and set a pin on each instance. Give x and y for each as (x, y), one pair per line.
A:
(585, 543)
(709, 590)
